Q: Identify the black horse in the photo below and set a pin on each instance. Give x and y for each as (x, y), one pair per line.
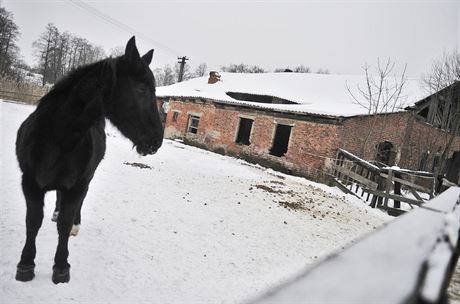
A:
(60, 145)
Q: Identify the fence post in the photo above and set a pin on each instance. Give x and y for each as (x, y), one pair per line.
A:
(388, 187)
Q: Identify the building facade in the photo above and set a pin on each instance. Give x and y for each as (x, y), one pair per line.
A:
(303, 143)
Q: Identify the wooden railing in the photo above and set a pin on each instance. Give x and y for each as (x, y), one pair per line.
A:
(383, 188)
(410, 260)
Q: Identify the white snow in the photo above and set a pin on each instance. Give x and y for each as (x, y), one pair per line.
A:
(323, 94)
(182, 226)
(384, 267)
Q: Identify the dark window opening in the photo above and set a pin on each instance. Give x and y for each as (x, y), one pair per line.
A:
(175, 115)
(385, 153)
(193, 122)
(424, 113)
(244, 131)
(281, 141)
(259, 98)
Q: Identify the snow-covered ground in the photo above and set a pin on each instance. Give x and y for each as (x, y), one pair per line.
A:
(190, 226)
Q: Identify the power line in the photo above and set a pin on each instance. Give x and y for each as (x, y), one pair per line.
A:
(92, 10)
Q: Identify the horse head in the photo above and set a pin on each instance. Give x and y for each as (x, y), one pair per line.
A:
(133, 109)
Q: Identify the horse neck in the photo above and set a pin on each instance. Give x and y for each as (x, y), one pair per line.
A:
(77, 102)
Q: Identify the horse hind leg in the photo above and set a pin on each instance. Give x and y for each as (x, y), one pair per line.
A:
(57, 207)
(71, 201)
(77, 222)
(76, 225)
(34, 216)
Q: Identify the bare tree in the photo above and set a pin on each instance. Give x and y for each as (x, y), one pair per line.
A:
(57, 53)
(242, 68)
(381, 94)
(164, 76)
(9, 51)
(200, 70)
(42, 49)
(302, 69)
(444, 72)
(117, 51)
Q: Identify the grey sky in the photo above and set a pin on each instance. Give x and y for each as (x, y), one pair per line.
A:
(338, 35)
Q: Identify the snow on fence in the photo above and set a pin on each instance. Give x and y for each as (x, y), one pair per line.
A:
(408, 261)
(380, 185)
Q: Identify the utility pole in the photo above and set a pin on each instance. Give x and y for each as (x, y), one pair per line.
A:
(182, 65)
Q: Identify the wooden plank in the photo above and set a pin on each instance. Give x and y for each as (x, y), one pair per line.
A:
(417, 196)
(342, 187)
(353, 169)
(388, 187)
(361, 162)
(446, 113)
(420, 174)
(370, 184)
(394, 197)
(361, 174)
(407, 183)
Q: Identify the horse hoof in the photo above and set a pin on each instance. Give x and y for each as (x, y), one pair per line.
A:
(25, 273)
(61, 275)
(75, 230)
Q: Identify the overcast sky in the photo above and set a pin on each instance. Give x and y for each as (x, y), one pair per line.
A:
(337, 35)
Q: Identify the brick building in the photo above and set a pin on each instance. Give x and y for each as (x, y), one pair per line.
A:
(296, 122)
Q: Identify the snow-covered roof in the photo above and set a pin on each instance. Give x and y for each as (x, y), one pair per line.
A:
(322, 94)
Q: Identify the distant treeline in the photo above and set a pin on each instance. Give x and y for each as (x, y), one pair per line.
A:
(59, 52)
(56, 52)
(247, 68)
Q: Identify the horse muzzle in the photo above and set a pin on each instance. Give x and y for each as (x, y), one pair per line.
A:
(148, 149)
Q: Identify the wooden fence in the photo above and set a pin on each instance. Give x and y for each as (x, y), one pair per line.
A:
(383, 188)
(410, 260)
(21, 91)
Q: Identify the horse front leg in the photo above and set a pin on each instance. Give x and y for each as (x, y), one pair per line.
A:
(71, 201)
(34, 216)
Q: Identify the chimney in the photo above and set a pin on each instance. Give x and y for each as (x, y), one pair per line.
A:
(213, 77)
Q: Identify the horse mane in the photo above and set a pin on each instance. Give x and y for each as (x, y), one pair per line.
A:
(68, 81)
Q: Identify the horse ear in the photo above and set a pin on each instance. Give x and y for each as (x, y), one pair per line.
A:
(131, 51)
(148, 57)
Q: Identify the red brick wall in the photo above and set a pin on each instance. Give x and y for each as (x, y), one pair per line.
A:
(410, 136)
(390, 127)
(424, 137)
(309, 144)
(312, 145)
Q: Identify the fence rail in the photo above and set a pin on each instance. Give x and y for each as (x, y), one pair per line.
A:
(387, 266)
(21, 91)
(382, 187)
